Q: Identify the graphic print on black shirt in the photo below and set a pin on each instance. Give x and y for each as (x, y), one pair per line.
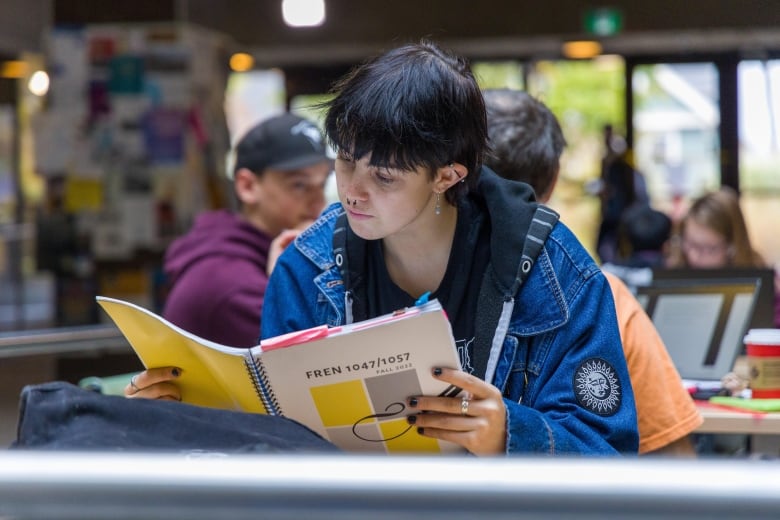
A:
(459, 289)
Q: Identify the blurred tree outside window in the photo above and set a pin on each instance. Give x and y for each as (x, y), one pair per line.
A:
(499, 74)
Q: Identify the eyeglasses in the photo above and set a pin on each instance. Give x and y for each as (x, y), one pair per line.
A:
(689, 246)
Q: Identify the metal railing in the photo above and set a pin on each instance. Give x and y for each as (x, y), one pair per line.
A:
(86, 338)
(57, 485)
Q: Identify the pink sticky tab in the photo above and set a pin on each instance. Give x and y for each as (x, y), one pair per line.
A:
(295, 338)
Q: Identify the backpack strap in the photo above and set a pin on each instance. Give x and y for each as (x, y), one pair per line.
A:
(349, 252)
(542, 223)
(491, 300)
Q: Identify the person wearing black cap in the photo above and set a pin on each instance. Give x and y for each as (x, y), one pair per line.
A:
(218, 271)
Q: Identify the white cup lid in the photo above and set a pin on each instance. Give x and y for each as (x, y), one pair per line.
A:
(763, 337)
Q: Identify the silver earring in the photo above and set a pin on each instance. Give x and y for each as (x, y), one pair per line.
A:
(437, 208)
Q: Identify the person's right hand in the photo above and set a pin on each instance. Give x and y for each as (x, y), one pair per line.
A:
(280, 243)
(155, 383)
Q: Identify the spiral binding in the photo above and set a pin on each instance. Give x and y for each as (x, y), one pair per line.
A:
(256, 370)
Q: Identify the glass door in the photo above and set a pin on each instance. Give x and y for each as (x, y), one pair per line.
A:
(758, 85)
(676, 128)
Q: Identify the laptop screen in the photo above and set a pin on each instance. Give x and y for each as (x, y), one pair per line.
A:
(764, 312)
(703, 326)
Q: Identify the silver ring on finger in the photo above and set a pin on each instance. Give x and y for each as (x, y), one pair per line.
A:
(133, 385)
(464, 406)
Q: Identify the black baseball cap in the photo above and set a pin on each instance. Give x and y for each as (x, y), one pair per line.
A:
(284, 142)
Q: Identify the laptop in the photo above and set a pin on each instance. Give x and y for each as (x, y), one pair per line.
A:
(702, 325)
(764, 312)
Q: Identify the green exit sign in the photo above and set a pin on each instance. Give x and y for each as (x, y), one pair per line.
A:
(603, 21)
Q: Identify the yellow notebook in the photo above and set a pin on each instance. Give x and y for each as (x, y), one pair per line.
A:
(350, 383)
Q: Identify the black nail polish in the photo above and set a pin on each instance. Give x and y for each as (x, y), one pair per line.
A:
(411, 419)
(437, 371)
(413, 402)
(175, 372)
(421, 430)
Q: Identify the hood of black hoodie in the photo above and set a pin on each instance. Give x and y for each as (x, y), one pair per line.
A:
(510, 206)
(216, 234)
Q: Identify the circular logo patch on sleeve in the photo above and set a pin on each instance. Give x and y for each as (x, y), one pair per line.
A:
(597, 387)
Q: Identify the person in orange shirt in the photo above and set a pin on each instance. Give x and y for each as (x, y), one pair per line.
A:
(665, 411)
(527, 143)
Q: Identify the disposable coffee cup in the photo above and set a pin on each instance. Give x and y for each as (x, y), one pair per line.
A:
(763, 357)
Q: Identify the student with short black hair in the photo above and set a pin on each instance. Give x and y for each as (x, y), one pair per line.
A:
(542, 365)
(418, 214)
(647, 232)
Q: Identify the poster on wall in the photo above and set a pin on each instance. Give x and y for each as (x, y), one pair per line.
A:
(7, 184)
(163, 130)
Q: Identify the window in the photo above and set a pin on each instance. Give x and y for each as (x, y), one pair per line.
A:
(676, 122)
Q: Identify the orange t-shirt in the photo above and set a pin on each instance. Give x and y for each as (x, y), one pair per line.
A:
(665, 411)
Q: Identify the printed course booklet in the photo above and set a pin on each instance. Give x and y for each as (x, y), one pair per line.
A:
(349, 383)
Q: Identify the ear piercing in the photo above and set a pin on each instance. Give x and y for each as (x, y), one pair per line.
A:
(456, 172)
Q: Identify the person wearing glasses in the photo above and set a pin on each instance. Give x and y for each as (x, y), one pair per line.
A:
(713, 234)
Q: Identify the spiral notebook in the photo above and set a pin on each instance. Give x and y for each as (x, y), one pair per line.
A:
(350, 383)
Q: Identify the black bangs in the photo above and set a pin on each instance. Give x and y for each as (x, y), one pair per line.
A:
(414, 106)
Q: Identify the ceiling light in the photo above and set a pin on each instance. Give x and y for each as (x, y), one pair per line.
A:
(241, 62)
(39, 83)
(303, 13)
(582, 49)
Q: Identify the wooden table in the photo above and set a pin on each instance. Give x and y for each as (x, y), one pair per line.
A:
(764, 428)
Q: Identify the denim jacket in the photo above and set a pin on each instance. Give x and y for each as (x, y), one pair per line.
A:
(556, 354)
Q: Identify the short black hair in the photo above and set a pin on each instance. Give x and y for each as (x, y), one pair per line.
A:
(526, 140)
(645, 228)
(416, 105)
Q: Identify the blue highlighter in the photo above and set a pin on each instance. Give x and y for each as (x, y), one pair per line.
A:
(423, 299)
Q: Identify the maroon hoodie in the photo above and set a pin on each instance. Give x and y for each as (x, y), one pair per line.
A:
(218, 279)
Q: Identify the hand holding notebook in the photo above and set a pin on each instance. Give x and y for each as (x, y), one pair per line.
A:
(348, 383)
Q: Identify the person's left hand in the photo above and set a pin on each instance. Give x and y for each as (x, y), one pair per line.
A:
(476, 419)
